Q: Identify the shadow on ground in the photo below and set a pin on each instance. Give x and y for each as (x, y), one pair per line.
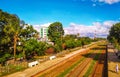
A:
(102, 56)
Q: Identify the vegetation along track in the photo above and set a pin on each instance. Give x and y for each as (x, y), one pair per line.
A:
(61, 66)
(98, 71)
(64, 65)
(78, 70)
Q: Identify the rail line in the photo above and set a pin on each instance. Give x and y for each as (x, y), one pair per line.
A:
(78, 70)
(99, 66)
(60, 66)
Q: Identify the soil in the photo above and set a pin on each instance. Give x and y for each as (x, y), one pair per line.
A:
(58, 68)
(98, 72)
(61, 66)
(99, 67)
(53, 68)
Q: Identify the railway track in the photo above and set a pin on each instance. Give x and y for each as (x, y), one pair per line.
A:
(99, 66)
(80, 68)
(58, 68)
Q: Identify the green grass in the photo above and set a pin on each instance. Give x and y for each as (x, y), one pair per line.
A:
(11, 69)
(67, 70)
(42, 75)
(63, 74)
(70, 68)
(89, 71)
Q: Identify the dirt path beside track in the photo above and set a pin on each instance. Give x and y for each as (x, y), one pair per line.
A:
(99, 67)
(112, 61)
(55, 70)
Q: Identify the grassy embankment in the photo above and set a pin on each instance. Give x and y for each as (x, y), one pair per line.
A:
(63, 74)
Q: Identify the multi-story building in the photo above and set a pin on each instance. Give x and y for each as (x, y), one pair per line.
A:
(43, 33)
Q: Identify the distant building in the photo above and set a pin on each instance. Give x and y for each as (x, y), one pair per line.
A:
(44, 33)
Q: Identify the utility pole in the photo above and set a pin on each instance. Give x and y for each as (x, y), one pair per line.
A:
(95, 35)
(61, 42)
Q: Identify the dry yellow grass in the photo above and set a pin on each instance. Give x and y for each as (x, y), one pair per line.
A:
(112, 61)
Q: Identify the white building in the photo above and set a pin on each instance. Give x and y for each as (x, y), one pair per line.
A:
(44, 33)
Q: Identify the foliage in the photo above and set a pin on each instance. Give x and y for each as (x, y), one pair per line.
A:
(70, 43)
(57, 48)
(78, 43)
(28, 32)
(40, 48)
(12, 31)
(8, 25)
(9, 28)
(3, 58)
(86, 40)
(70, 36)
(55, 34)
(115, 31)
(33, 47)
(55, 31)
(114, 35)
(12, 68)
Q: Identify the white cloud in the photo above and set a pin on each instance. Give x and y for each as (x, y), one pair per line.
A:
(100, 29)
(45, 25)
(109, 1)
(109, 23)
(37, 27)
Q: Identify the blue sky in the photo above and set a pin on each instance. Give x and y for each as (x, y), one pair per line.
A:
(66, 11)
(85, 12)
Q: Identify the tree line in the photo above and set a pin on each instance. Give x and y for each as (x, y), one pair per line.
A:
(20, 40)
(13, 31)
(114, 35)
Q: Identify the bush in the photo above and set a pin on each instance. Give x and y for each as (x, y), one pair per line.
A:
(78, 43)
(70, 43)
(50, 50)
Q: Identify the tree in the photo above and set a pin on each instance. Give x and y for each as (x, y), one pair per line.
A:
(70, 43)
(13, 30)
(41, 48)
(55, 32)
(71, 36)
(9, 25)
(32, 47)
(114, 33)
(28, 32)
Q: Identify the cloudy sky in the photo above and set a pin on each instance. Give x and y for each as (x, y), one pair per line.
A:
(87, 17)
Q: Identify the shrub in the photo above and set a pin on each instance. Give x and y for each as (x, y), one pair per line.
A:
(50, 50)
